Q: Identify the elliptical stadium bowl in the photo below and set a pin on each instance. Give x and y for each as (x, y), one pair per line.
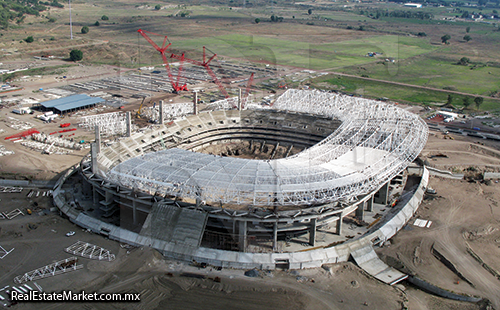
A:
(241, 188)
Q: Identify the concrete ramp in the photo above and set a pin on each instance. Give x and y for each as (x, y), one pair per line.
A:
(367, 259)
(173, 224)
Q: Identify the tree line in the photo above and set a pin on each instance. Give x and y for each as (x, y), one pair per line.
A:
(376, 14)
(15, 10)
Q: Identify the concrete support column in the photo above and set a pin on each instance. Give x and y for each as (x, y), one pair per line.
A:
(369, 204)
(98, 138)
(87, 189)
(275, 236)
(275, 150)
(239, 99)
(338, 229)
(134, 210)
(160, 121)
(383, 195)
(95, 196)
(360, 211)
(242, 233)
(312, 232)
(129, 125)
(109, 197)
(93, 157)
(195, 103)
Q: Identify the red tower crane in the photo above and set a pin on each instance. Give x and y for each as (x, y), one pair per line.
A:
(247, 91)
(175, 83)
(205, 63)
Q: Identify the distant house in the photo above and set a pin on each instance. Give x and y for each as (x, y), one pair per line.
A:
(413, 5)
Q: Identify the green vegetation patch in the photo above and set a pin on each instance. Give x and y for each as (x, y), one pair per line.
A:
(309, 55)
(475, 78)
(406, 94)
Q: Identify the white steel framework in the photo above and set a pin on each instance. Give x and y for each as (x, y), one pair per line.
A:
(374, 143)
(170, 111)
(4, 252)
(12, 214)
(62, 266)
(110, 124)
(91, 251)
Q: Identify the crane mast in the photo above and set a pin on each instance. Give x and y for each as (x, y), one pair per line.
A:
(174, 82)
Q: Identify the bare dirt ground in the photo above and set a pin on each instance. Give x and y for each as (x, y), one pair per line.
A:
(461, 153)
(40, 240)
(463, 214)
(32, 164)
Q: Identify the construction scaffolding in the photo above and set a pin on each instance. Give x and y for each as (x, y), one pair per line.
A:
(91, 251)
(170, 111)
(374, 143)
(10, 189)
(225, 104)
(60, 267)
(110, 124)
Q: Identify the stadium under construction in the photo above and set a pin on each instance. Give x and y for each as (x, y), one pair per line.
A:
(315, 178)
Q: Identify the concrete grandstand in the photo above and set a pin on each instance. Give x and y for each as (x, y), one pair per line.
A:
(256, 187)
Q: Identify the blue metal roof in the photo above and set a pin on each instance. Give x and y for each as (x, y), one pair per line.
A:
(72, 102)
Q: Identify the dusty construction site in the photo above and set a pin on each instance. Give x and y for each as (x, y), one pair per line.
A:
(461, 230)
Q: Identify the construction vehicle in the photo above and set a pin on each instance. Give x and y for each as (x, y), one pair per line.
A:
(138, 114)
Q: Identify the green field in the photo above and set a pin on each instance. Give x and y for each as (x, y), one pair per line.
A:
(328, 39)
(309, 55)
(399, 93)
(436, 73)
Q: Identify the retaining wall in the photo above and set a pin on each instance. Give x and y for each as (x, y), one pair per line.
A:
(242, 260)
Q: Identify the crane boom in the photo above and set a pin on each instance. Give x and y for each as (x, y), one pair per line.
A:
(175, 83)
(205, 63)
(218, 82)
(247, 91)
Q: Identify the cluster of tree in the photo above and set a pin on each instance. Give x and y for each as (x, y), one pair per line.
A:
(411, 14)
(276, 19)
(467, 102)
(54, 3)
(76, 55)
(376, 14)
(464, 61)
(15, 10)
